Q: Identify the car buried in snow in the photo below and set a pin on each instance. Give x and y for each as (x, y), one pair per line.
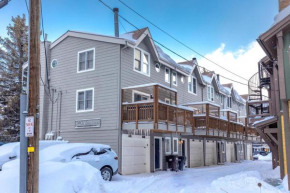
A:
(98, 156)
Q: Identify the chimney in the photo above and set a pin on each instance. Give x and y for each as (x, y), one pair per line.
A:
(218, 77)
(283, 4)
(116, 21)
(194, 61)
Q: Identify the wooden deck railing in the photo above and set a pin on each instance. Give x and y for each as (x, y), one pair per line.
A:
(144, 112)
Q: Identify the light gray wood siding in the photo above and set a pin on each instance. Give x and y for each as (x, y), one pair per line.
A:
(66, 80)
(130, 77)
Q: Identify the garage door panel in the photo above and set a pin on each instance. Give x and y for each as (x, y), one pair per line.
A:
(135, 152)
(196, 153)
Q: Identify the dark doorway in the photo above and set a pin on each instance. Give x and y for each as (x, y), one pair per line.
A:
(236, 152)
(157, 153)
(183, 148)
(218, 152)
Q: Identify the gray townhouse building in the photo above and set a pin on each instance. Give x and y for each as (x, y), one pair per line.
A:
(128, 93)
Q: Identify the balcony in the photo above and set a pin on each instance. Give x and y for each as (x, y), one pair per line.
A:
(154, 107)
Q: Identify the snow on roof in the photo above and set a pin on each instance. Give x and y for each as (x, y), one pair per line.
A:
(166, 58)
(200, 103)
(148, 85)
(264, 119)
(223, 89)
(65, 152)
(228, 110)
(238, 97)
(207, 79)
(281, 15)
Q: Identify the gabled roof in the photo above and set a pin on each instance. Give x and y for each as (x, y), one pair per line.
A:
(245, 96)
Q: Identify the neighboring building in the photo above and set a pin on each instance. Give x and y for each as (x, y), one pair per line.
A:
(126, 92)
(269, 90)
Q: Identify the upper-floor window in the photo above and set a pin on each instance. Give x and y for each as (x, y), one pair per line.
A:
(210, 93)
(86, 60)
(182, 79)
(192, 85)
(85, 100)
(229, 102)
(157, 67)
(142, 62)
(140, 96)
(222, 99)
(174, 78)
(167, 100)
(167, 75)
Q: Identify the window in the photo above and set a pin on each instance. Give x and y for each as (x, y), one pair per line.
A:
(157, 67)
(175, 145)
(192, 85)
(210, 93)
(141, 62)
(167, 75)
(174, 78)
(54, 63)
(229, 102)
(222, 99)
(167, 145)
(182, 79)
(86, 60)
(167, 100)
(85, 100)
(140, 96)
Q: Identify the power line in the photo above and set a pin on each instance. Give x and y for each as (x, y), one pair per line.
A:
(181, 42)
(165, 46)
(123, 26)
(26, 6)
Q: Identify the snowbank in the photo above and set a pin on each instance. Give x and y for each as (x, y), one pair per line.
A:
(265, 158)
(58, 177)
(240, 183)
(12, 150)
(285, 183)
(65, 152)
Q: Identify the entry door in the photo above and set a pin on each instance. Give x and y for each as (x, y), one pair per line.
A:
(157, 153)
(184, 151)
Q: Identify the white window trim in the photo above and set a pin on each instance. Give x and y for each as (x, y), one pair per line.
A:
(168, 75)
(161, 156)
(175, 78)
(211, 87)
(191, 92)
(52, 62)
(174, 139)
(138, 92)
(93, 99)
(167, 99)
(170, 148)
(229, 106)
(93, 60)
(222, 99)
(141, 72)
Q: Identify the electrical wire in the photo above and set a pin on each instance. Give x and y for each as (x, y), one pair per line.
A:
(181, 42)
(167, 47)
(123, 26)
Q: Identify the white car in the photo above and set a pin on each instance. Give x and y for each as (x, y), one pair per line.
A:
(99, 156)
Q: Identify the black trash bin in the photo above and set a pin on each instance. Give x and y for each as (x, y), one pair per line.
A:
(172, 161)
(181, 162)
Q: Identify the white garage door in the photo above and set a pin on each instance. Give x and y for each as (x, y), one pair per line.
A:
(249, 152)
(135, 154)
(210, 153)
(196, 153)
(230, 152)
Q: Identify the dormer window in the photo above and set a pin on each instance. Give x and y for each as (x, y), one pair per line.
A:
(142, 62)
(229, 102)
(210, 93)
(167, 75)
(174, 78)
(192, 85)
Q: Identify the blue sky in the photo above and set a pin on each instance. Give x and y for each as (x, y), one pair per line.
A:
(203, 25)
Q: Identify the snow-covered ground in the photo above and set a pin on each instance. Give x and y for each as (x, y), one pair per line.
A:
(230, 178)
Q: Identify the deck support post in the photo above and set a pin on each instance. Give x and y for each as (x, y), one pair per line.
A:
(207, 119)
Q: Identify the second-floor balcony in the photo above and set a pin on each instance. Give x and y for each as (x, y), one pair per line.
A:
(154, 107)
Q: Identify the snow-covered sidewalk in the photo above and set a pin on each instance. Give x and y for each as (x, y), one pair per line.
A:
(231, 178)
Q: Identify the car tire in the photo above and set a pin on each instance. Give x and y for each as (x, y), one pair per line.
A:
(106, 173)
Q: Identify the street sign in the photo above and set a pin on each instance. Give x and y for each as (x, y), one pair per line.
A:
(29, 126)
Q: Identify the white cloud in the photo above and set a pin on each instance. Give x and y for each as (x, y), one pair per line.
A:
(242, 62)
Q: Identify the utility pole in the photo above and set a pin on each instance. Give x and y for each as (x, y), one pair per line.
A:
(33, 106)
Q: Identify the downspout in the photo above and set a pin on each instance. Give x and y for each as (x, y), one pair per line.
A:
(59, 113)
(120, 103)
